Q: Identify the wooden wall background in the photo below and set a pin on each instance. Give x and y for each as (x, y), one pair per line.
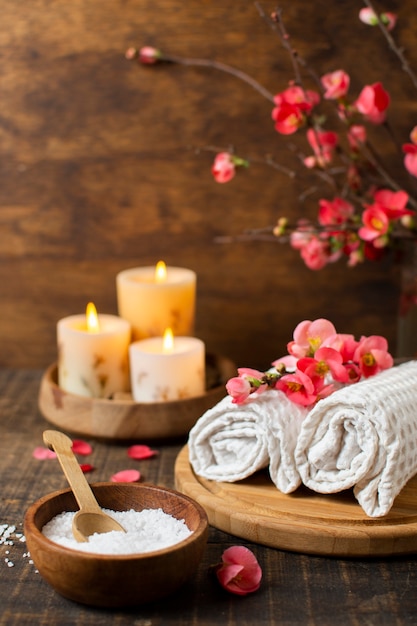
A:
(98, 171)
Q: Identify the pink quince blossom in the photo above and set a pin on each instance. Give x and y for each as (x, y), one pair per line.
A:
(291, 104)
(336, 211)
(372, 355)
(309, 335)
(373, 102)
(410, 150)
(410, 159)
(368, 16)
(356, 136)
(375, 223)
(239, 572)
(223, 168)
(149, 55)
(393, 203)
(355, 257)
(315, 251)
(298, 387)
(336, 84)
(346, 344)
(288, 118)
(326, 361)
(302, 99)
(323, 144)
(240, 387)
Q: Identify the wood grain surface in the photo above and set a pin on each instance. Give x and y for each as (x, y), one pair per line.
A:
(296, 588)
(104, 167)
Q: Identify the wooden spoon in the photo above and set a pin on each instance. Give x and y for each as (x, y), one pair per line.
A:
(90, 518)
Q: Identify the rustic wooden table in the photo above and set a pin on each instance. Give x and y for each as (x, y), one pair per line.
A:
(296, 589)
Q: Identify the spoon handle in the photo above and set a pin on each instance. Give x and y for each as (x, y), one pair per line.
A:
(62, 446)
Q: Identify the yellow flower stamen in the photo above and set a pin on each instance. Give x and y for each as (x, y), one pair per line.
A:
(293, 386)
(368, 359)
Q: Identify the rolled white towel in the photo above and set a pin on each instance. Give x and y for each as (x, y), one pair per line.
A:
(233, 441)
(363, 436)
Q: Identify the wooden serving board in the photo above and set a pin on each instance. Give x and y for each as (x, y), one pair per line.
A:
(305, 521)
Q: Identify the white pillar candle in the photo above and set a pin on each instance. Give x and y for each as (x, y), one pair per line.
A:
(151, 303)
(93, 362)
(160, 373)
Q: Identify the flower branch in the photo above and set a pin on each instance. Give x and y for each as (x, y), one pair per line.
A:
(388, 20)
(368, 211)
(318, 362)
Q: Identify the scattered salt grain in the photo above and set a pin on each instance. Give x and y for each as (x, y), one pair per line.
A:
(8, 534)
(147, 530)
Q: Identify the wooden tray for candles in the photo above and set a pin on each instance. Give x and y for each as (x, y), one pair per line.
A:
(121, 419)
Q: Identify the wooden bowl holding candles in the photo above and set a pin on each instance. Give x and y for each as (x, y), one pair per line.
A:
(121, 580)
(120, 418)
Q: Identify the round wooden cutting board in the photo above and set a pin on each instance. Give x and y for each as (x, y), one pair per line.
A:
(304, 521)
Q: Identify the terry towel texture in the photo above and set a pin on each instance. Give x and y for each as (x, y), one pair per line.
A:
(363, 436)
(231, 442)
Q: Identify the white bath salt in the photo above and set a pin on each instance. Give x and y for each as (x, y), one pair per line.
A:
(6, 533)
(147, 530)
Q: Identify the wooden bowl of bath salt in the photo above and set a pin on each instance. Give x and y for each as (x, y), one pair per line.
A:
(165, 539)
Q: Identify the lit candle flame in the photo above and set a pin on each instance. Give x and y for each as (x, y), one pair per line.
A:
(168, 341)
(160, 272)
(93, 325)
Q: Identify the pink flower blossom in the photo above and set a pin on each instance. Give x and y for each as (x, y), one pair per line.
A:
(326, 361)
(240, 387)
(373, 102)
(336, 211)
(336, 84)
(375, 223)
(368, 16)
(149, 55)
(314, 250)
(323, 144)
(410, 149)
(298, 387)
(356, 136)
(223, 168)
(239, 572)
(344, 343)
(302, 99)
(288, 118)
(308, 336)
(410, 159)
(291, 105)
(393, 203)
(372, 355)
(289, 361)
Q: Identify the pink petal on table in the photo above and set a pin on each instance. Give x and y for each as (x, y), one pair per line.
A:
(86, 467)
(42, 453)
(81, 447)
(140, 452)
(126, 476)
